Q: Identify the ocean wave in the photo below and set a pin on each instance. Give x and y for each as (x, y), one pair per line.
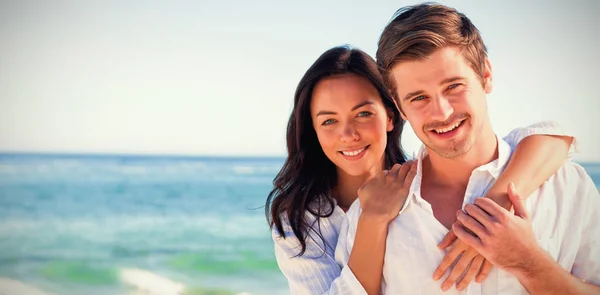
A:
(255, 169)
(150, 283)
(74, 272)
(222, 263)
(114, 168)
(100, 228)
(145, 282)
(41, 241)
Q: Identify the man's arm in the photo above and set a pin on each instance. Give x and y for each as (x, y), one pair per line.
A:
(544, 276)
(536, 157)
(508, 242)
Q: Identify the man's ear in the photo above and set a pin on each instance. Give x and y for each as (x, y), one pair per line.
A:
(488, 86)
(403, 115)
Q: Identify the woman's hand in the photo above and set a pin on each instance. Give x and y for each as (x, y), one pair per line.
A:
(382, 196)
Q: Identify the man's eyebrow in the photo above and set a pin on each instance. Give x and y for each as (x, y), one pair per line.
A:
(452, 79)
(411, 94)
(445, 81)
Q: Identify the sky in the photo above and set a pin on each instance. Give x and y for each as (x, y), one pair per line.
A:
(218, 77)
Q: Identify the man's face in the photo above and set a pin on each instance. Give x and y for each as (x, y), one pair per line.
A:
(443, 100)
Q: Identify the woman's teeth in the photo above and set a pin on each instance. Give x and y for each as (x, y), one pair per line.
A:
(353, 153)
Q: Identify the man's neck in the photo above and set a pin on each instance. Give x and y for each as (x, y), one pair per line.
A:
(445, 181)
(456, 172)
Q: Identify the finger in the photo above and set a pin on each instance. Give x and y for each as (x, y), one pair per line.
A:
(448, 260)
(466, 237)
(410, 176)
(517, 201)
(490, 207)
(458, 269)
(403, 171)
(470, 223)
(479, 215)
(476, 264)
(485, 270)
(394, 171)
(448, 239)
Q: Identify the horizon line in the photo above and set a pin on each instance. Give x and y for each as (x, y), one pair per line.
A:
(136, 154)
(171, 155)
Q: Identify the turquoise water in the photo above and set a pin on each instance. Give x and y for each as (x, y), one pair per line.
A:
(71, 224)
(74, 224)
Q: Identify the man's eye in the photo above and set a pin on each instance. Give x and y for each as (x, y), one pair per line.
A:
(420, 97)
(453, 86)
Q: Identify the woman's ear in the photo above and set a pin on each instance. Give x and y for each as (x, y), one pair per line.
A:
(390, 123)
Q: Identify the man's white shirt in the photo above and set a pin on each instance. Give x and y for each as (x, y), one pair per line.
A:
(565, 214)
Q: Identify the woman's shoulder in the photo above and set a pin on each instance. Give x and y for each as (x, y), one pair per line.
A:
(324, 220)
(321, 212)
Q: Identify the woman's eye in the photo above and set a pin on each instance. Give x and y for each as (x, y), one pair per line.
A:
(328, 122)
(365, 114)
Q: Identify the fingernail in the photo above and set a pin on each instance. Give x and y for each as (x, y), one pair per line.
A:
(445, 287)
(436, 277)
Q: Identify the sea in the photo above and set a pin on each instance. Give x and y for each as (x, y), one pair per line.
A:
(131, 224)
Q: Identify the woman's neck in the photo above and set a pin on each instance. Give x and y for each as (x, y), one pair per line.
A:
(347, 186)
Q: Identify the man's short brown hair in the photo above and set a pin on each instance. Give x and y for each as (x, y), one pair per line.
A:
(415, 32)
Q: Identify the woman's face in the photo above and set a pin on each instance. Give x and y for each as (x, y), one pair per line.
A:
(351, 123)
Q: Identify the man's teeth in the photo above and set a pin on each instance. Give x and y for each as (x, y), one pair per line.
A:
(449, 128)
(353, 153)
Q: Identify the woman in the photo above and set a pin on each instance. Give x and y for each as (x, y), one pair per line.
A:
(345, 128)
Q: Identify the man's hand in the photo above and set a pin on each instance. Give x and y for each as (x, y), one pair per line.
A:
(466, 257)
(503, 238)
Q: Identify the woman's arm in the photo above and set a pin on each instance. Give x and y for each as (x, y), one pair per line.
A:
(368, 253)
(319, 270)
(535, 159)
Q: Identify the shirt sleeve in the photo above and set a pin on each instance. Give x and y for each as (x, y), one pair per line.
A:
(541, 128)
(587, 261)
(314, 272)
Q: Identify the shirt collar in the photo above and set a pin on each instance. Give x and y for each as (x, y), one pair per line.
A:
(494, 168)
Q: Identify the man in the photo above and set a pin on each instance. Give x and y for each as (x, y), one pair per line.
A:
(435, 64)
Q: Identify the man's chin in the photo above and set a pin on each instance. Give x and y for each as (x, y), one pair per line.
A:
(452, 152)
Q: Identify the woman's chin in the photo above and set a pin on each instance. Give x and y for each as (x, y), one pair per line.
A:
(355, 171)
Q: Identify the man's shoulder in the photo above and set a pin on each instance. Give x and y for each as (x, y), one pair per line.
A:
(571, 173)
(572, 184)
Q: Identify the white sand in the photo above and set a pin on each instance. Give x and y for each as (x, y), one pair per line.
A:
(14, 287)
